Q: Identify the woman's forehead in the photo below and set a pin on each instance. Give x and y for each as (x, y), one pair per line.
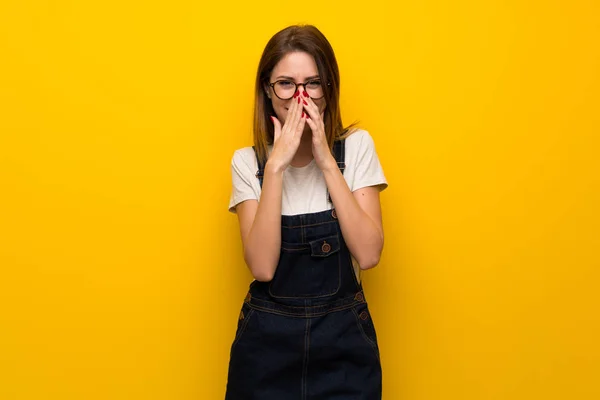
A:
(297, 65)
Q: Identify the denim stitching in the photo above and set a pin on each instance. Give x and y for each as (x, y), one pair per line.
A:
(288, 249)
(295, 246)
(337, 254)
(243, 328)
(352, 301)
(305, 360)
(372, 344)
(318, 314)
(305, 226)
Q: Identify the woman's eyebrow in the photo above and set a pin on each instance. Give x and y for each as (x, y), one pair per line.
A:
(291, 79)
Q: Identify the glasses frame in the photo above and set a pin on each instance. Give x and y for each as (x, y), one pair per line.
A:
(272, 85)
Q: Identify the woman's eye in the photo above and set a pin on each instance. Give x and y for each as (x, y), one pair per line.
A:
(314, 84)
(285, 84)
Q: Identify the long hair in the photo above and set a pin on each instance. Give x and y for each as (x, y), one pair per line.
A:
(308, 39)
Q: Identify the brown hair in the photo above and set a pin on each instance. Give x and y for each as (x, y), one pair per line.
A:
(305, 38)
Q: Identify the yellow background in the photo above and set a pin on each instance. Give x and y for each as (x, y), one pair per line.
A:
(121, 271)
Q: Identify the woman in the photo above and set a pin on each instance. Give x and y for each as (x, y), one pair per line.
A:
(305, 331)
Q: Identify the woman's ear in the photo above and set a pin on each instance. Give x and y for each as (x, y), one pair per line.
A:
(267, 91)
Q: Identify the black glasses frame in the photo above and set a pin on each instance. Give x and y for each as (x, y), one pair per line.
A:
(272, 85)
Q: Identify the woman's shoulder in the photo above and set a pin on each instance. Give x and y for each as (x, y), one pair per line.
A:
(243, 155)
(247, 155)
(357, 138)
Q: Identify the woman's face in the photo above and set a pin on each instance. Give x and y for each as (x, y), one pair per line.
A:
(298, 67)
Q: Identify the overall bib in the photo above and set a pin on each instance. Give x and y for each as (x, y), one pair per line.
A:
(308, 333)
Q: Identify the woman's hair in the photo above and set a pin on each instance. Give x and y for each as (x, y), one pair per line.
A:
(308, 39)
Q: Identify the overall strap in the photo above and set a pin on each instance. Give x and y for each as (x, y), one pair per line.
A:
(339, 152)
(260, 174)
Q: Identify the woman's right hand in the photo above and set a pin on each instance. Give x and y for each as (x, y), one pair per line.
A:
(287, 138)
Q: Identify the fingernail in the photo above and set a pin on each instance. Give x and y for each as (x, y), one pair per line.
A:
(272, 119)
(302, 114)
(305, 94)
(296, 94)
(304, 101)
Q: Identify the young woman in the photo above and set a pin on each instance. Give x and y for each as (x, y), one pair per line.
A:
(307, 198)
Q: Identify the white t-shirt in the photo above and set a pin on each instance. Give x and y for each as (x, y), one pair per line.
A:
(304, 189)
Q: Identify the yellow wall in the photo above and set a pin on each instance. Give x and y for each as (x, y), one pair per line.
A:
(121, 271)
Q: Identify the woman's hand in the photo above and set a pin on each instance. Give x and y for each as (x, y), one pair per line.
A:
(287, 139)
(320, 148)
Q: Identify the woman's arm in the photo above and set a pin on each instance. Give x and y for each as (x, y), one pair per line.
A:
(359, 213)
(260, 227)
(260, 222)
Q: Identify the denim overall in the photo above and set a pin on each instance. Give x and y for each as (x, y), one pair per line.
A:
(308, 333)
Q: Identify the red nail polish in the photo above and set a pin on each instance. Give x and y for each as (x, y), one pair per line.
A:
(304, 102)
(296, 94)
(305, 94)
(302, 114)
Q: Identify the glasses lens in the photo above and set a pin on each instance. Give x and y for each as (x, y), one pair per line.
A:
(284, 89)
(314, 89)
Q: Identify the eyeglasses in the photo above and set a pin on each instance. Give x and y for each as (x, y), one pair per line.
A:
(285, 89)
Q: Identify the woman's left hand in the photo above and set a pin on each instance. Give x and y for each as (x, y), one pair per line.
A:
(320, 147)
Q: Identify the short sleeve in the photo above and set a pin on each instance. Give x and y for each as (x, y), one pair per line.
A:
(242, 176)
(368, 170)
